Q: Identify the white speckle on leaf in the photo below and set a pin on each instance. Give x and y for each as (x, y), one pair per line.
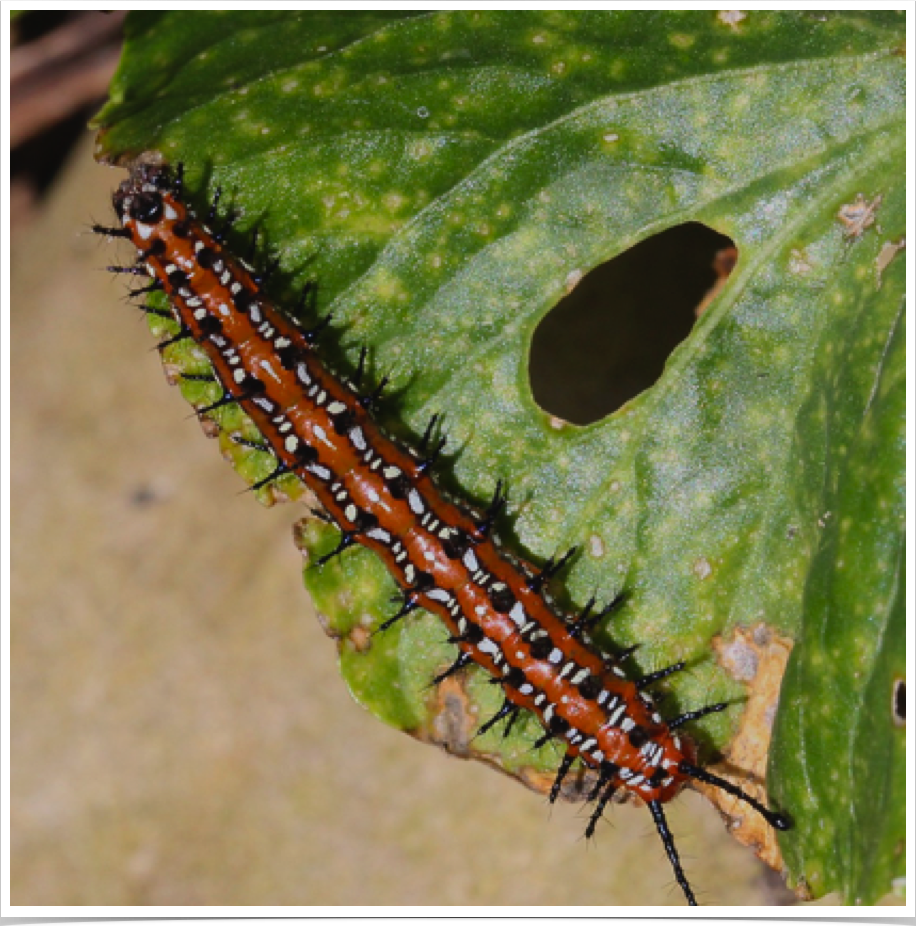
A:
(681, 40)
(798, 262)
(572, 279)
(731, 18)
(701, 568)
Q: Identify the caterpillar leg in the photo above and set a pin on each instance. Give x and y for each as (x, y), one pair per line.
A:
(661, 824)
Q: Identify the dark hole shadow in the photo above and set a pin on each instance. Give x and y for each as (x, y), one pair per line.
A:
(900, 702)
(609, 339)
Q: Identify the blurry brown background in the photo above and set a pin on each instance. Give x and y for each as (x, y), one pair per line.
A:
(179, 731)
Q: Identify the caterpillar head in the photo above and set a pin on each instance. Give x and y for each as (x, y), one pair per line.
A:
(140, 197)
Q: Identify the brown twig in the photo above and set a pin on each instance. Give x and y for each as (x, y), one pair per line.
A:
(59, 73)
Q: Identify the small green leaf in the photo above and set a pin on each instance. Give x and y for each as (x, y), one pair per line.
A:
(444, 176)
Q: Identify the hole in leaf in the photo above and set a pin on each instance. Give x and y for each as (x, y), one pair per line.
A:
(900, 702)
(609, 339)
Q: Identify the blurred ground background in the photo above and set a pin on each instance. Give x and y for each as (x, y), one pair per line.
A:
(179, 731)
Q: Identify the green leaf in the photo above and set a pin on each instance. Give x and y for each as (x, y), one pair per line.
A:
(839, 746)
(446, 177)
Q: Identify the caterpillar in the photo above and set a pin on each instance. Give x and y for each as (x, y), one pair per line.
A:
(380, 494)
